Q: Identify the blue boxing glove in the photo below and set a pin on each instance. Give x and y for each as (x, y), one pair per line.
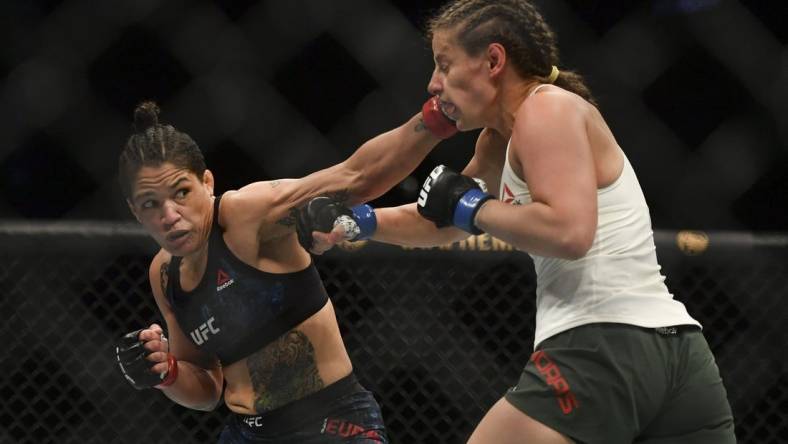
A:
(323, 213)
(449, 198)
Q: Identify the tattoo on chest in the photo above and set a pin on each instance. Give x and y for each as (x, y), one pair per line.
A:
(284, 371)
(163, 277)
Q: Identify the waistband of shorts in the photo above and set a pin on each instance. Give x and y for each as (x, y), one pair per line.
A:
(310, 407)
(673, 330)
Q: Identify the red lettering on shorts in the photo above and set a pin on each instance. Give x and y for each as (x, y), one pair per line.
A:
(552, 375)
(567, 402)
(345, 429)
(331, 427)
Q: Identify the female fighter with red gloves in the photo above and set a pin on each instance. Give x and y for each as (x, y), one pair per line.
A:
(243, 304)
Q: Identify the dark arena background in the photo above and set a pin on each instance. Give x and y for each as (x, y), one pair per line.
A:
(696, 92)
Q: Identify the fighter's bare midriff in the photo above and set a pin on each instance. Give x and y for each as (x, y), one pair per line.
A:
(315, 342)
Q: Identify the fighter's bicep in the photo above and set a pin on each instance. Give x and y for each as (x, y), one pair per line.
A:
(555, 156)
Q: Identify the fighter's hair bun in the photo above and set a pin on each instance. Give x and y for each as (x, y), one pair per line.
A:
(146, 115)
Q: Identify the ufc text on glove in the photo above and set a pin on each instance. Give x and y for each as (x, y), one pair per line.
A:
(449, 198)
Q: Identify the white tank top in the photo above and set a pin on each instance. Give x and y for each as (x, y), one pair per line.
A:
(618, 280)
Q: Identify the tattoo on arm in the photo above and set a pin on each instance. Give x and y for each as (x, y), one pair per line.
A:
(275, 183)
(283, 371)
(420, 126)
(163, 277)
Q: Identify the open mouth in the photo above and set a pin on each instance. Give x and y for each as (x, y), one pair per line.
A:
(177, 235)
(448, 109)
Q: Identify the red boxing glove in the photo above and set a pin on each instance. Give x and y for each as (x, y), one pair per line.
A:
(435, 121)
(172, 372)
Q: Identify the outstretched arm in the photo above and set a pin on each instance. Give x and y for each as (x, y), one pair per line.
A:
(370, 171)
(375, 167)
(403, 225)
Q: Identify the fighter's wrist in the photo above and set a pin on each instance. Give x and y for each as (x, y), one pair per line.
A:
(172, 372)
(467, 210)
(364, 216)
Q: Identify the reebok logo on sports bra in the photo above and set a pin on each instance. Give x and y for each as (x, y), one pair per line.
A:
(223, 280)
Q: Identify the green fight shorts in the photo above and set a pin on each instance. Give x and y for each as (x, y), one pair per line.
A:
(622, 384)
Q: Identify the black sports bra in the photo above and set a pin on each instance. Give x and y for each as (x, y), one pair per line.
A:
(237, 309)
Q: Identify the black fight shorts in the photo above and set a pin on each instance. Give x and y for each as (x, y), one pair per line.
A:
(342, 413)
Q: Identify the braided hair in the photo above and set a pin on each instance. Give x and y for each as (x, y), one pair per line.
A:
(153, 144)
(515, 24)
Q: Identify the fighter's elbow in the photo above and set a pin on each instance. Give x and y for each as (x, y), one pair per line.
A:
(575, 243)
(210, 403)
(214, 387)
(210, 406)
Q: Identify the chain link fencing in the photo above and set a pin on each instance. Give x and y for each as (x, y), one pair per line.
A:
(437, 335)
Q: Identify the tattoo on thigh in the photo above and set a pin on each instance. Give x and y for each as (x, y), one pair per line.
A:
(283, 371)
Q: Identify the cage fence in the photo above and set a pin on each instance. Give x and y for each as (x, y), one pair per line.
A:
(437, 335)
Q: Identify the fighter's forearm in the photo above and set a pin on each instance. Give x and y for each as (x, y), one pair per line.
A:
(404, 226)
(387, 159)
(537, 228)
(374, 168)
(195, 387)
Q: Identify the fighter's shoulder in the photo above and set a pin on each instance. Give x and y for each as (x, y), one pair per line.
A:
(162, 258)
(550, 111)
(254, 195)
(157, 271)
(247, 203)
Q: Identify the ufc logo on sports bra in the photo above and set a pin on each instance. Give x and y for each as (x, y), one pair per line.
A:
(201, 333)
(254, 421)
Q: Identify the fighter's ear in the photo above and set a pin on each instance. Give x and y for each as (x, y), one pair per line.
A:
(496, 59)
(207, 180)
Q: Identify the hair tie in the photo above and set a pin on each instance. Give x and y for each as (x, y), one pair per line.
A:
(553, 75)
